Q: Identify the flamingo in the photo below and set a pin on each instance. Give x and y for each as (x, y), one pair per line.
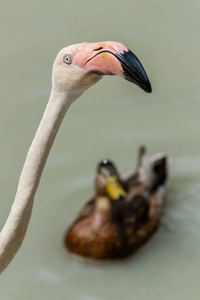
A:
(76, 68)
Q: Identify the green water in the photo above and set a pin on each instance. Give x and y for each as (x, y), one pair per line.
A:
(110, 120)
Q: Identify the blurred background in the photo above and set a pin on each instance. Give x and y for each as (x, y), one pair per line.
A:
(111, 120)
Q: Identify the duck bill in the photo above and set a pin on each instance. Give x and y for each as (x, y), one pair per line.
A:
(114, 188)
(112, 58)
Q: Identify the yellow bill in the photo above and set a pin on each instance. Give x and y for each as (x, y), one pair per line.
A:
(114, 188)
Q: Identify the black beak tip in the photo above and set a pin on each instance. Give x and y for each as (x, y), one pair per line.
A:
(133, 70)
(148, 88)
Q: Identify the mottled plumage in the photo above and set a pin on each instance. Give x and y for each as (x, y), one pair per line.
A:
(107, 228)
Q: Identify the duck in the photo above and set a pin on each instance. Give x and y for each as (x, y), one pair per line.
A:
(124, 213)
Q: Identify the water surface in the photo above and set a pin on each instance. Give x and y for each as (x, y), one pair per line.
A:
(110, 120)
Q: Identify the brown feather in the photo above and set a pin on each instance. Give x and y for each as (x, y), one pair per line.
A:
(120, 229)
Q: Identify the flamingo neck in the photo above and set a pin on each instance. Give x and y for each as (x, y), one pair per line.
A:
(14, 230)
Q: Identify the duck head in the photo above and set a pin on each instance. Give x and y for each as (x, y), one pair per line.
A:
(108, 181)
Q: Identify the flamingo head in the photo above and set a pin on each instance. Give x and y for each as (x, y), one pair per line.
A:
(79, 66)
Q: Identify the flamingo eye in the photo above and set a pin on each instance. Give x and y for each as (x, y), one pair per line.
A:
(67, 59)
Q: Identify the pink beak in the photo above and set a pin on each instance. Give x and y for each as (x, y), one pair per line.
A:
(112, 58)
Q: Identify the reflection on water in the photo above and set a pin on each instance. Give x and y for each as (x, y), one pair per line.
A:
(110, 120)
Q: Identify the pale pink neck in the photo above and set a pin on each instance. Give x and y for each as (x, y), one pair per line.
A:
(16, 225)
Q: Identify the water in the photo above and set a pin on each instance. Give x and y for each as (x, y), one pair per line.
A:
(110, 120)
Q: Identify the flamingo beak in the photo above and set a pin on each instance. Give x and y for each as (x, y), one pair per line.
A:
(112, 58)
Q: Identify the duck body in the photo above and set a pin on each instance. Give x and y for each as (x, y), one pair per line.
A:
(111, 229)
(96, 237)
